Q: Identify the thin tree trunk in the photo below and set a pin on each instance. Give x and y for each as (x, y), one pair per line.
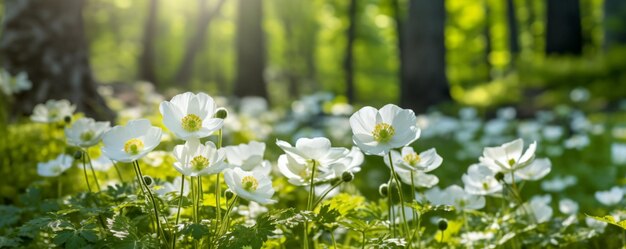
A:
(197, 41)
(146, 61)
(250, 44)
(348, 64)
(513, 30)
(488, 45)
(46, 39)
(423, 82)
(564, 31)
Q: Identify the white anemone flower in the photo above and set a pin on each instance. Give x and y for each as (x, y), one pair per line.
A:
(480, 180)
(298, 171)
(410, 160)
(509, 156)
(12, 85)
(350, 163)
(196, 159)
(568, 206)
(420, 178)
(314, 150)
(132, 141)
(251, 186)
(53, 111)
(101, 163)
(376, 132)
(190, 115)
(538, 207)
(455, 196)
(174, 186)
(85, 132)
(610, 197)
(247, 156)
(55, 167)
(534, 171)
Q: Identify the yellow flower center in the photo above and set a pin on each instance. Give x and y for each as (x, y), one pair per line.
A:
(86, 136)
(133, 146)
(511, 162)
(412, 158)
(485, 186)
(199, 163)
(383, 132)
(249, 183)
(192, 123)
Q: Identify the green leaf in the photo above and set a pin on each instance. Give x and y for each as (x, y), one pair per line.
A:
(611, 220)
(327, 217)
(197, 231)
(9, 215)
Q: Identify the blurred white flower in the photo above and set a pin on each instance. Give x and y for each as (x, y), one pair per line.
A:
(426, 161)
(610, 197)
(247, 156)
(251, 211)
(376, 132)
(577, 141)
(55, 167)
(507, 113)
(467, 113)
(196, 159)
(132, 141)
(538, 207)
(496, 127)
(552, 132)
(455, 196)
(596, 225)
(618, 153)
(174, 186)
(101, 163)
(251, 186)
(341, 109)
(480, 180)
(53, 111)
(508, 156)
(579, 94)
(350, 163)
(156, 158)
(473, 237)
(253, 106)
(568, 206)
(558, 183)
(536, 170)
(85, 132)
(190, 115)
(11, 85)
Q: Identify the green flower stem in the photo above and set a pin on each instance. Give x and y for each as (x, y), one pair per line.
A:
(93, 172)
(326, 193)
(85, 172)
(363, 240)
(117, 169)
(154, 204)
(395, 177)
(225, 224)
(332, 236)
(308, 205)
(218, 191)
(200, 199)
(392, 227)
(139, 180)
(180, 203)
(413, 209)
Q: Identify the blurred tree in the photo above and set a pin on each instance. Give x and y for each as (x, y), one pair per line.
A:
(250, 44)
(146, 61)
(614, 22)
(348, 62)
(512, 25)
(564, 31)
(423, 77)
(197, 41)
(46, 39)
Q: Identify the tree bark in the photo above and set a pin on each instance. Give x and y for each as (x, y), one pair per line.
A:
(423, 81)
(348, 63)
(564, 31)
(250, 44)
(146, 61)
(46, 39)
(197, 41)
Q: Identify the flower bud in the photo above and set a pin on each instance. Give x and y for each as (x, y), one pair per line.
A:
(148, 181)
(221, 113)
(383, 190)
(499, 176)
(442, 225)
(229, 194)
(78, 155)
(347, 176)
(67, 119)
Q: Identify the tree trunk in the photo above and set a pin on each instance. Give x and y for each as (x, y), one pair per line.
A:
(423, 81)
(614, 22)
(196, 42)
(513, 30)
(146, 61)
(564, 31)
(250, 50)
(348, 63)
(46, 39)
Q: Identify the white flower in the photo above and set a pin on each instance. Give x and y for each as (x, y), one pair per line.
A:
(568, 206)
(174, 186)
(252, 210)
(101, 163)
(535, 170)
(131, 142)
(56, 166)
(190, 115)
(596, 225)
(376, 132)
(85, 132)
(455, 196)
(351, 162)
(409, 160)
(196, 159)
(298, 171)
(253, 106)
(156, 158)
(610, 197)
(420, 179)
(480, 180)
(538, 207)
(11, 85)
(473, 237)
(247, 156)
(53, 111)
(577, 141)
(314, 150)
(618, 153)
(558, 184)
(508, 156)
(250, 185)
